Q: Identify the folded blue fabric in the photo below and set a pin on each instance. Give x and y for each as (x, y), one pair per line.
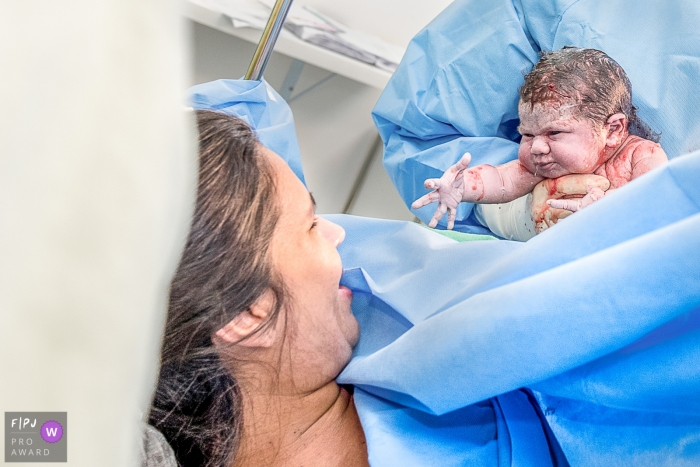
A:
(599, 316)
(456, 89)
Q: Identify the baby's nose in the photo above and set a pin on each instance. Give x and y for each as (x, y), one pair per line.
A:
(539, 145)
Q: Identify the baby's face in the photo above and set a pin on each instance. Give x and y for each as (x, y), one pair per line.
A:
(555, 143)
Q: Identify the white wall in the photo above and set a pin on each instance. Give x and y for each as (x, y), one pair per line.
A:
(396, 21)
(97, 183)
(333, 123)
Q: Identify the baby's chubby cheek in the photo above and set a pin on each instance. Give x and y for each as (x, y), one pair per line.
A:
(525, 156)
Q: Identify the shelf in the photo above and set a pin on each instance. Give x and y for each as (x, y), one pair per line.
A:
(290, 45)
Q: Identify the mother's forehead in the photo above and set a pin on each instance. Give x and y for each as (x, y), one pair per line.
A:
(293, 195)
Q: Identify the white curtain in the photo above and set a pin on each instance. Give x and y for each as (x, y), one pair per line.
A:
(97, 184)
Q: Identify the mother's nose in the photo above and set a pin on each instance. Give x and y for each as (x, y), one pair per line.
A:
(539, 145)
(334, 233)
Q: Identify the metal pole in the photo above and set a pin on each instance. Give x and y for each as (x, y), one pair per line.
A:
(268, 39)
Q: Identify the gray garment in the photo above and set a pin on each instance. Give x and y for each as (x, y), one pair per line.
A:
(156, 452)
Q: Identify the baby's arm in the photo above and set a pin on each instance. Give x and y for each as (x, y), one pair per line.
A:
(481, 184)
(646, 157)
(487, 184)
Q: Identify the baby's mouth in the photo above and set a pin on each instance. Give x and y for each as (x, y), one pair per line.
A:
(543, 164)
(543, 168)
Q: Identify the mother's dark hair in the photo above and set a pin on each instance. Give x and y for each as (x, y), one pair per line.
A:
(224, 269)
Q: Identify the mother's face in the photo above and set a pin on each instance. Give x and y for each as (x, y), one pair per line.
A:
(321, 330)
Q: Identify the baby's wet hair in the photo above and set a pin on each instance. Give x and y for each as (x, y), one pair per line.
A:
(589, 79)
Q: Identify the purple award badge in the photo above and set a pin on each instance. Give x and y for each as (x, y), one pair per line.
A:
(51, 431)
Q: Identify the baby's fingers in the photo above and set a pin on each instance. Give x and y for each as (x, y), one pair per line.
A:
(463, 162)
(451, 216)
(572, 205)
(432, 183)
(594, 193)
(425, 200)
(439, 212)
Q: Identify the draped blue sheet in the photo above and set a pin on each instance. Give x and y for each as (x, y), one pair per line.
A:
(581, 344)
(456, 89)
(599, 318)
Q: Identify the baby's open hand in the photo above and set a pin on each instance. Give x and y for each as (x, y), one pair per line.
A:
(447, 191)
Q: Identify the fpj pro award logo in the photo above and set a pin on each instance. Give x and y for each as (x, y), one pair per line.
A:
(36, 437)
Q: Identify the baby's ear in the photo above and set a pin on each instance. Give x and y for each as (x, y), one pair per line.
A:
(617, 128)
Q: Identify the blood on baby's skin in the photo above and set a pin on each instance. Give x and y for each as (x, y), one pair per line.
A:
(479, 185)
(618, 169)
(478, 182)
(539, 217)
(636, 156)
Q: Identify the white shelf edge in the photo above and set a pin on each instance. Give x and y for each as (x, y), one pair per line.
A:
(290, 45)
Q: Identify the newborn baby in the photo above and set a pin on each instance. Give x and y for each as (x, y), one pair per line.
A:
(576, 117)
